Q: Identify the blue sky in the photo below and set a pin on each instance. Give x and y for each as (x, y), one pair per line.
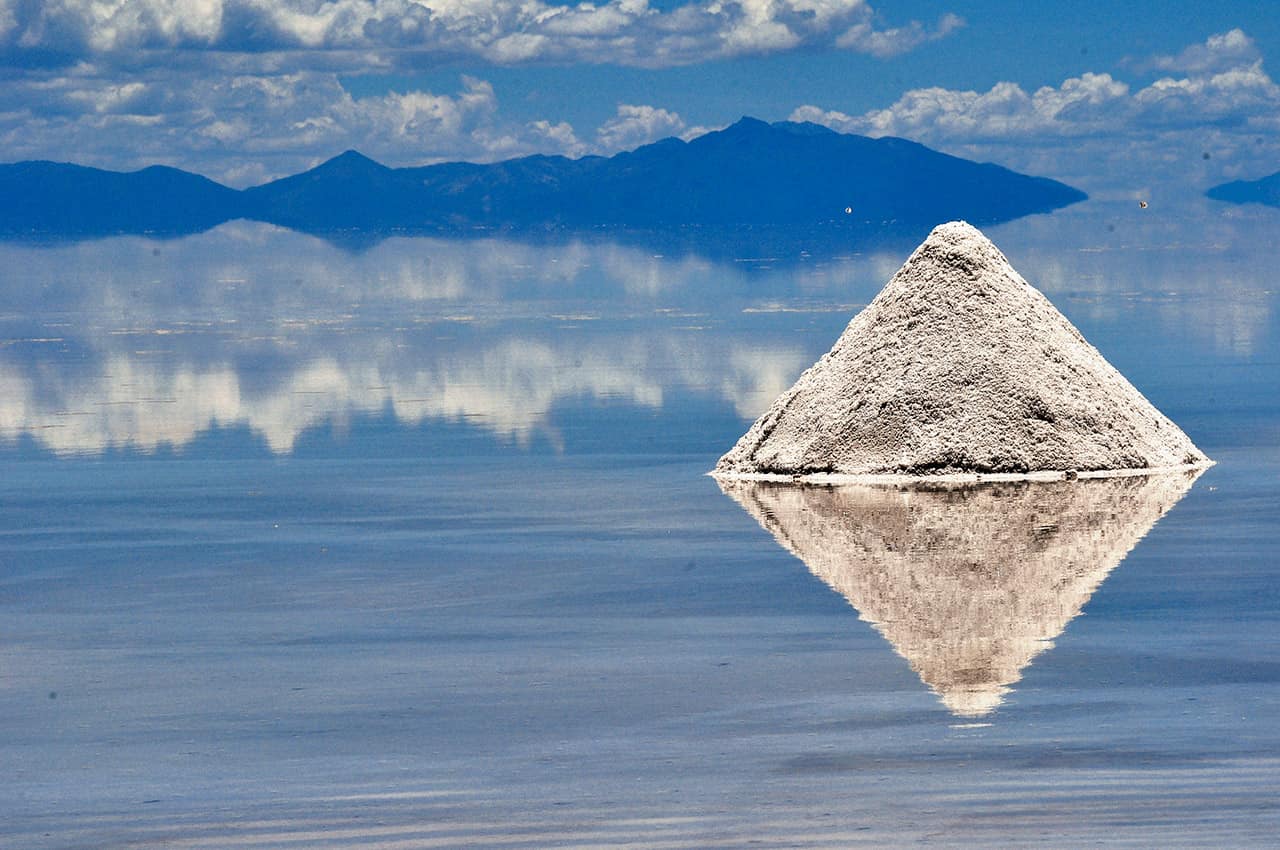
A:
(1123, 100)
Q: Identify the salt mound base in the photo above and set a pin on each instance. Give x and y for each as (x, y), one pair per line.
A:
(959, 367)
(967, 582)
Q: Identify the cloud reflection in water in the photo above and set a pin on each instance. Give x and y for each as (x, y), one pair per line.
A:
(137, 343)
(126, 343)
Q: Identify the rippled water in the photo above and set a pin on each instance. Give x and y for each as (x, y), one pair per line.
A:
(408, 544)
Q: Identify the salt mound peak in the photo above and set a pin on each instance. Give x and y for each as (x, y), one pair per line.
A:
(959, 367)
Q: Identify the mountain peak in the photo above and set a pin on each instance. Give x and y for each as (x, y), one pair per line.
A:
(351, 155)
(806, 128)
(746, 125)
(351, 160)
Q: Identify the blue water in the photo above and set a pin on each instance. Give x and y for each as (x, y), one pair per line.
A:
(411, 546)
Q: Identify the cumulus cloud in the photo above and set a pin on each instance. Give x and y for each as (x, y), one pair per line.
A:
(1215, 120)
(1078, 106)
(637, 125)
(244, 90)
(1220, 52)
(248, 128)
(559, 137)
(412, 33)
(892, 42)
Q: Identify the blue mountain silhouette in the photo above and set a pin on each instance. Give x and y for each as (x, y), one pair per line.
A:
(1263, 191)
(751, 173)
(63, 199)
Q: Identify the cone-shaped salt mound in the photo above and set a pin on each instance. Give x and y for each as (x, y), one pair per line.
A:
(968, 583)
(959, 366)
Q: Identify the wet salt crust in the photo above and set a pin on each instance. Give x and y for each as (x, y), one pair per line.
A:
(959, 369)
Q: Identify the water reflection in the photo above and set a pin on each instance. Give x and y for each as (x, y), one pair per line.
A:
(126, 343)
(968, 583)
(131, 342)
(1197, 270)
(506, 387)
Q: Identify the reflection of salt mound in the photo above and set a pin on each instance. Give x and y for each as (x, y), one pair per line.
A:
(959, 366)
(968, 583)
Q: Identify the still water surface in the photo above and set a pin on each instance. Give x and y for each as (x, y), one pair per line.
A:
(410, 545)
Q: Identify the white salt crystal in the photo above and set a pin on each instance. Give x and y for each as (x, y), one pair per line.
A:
(959, 367)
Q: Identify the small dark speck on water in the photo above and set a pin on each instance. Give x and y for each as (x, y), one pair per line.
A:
(53, 694)
(1206, 154)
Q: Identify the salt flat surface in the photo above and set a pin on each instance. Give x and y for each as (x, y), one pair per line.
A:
(359, 654)
(302, 547)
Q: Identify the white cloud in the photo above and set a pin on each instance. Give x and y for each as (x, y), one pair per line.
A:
(247, 128)
(1219, 52)
(106, 25)
(405, 32)
(111, 98)
(1233, 94)
(8, 18)
(892, 42)
(243, 90)
(1076, 106)
(637, 125)
(559, 138)
(1097, 131)
(418, 116)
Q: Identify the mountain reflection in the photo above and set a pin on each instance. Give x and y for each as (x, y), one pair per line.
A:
(968, 583)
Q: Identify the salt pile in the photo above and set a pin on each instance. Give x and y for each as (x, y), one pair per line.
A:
(959, 367)
(968, 583)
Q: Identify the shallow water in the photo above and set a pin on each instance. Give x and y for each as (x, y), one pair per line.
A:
(411, 546)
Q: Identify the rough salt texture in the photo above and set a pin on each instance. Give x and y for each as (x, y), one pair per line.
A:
(968, 583)
(959, 366)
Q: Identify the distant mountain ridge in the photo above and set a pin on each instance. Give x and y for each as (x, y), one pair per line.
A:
(751, 173)
(60, 198)
(1262, 191)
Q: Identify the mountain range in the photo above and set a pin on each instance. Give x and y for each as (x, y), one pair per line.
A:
(751, 173)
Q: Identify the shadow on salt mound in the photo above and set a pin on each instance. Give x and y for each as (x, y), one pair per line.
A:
(968, 583)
